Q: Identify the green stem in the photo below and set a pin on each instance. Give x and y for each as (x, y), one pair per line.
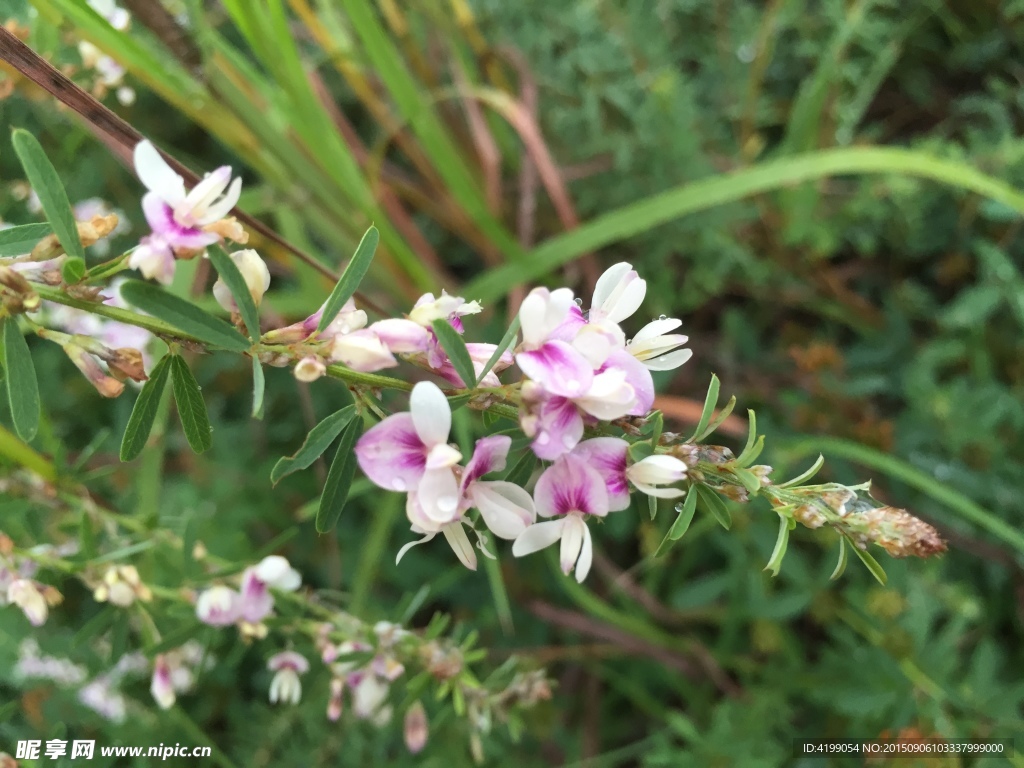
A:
(20, 453)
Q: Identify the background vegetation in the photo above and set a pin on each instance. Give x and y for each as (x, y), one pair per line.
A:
(874, 317)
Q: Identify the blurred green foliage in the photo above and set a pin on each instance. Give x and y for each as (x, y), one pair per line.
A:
(884, 310)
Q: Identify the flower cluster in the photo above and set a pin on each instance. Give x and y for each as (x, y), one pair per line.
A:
(253, 601)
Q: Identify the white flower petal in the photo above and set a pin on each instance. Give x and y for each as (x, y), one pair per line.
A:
(608, 281)
(656, 328)
(438, 495)
(459, 542)
(670, 361)
(157, 176)
(537, 537)
(659, 493)
(657, 470)
(572, 541)
(431, 414)
(586, 556)
(218, 209)
(410, 545)
(506, 508)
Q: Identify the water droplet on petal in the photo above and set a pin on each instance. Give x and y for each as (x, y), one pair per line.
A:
(447, 503)
(662, 317)
(398, 484)
(578, 301)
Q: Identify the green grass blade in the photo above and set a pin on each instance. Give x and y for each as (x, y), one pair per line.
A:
(645, 214)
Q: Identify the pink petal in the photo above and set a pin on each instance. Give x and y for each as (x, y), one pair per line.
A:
(161, 220)
(571, 485)
(391, 454)
(570, 327)
(559, 428)
(638, 376)
(489, 455)
(255, 602)
(558, 368)
(608, 456)
(403, 337)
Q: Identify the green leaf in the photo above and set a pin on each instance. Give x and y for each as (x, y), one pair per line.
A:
(20, 380)
(749, 457)
(453, 345)
(259, 386)
(717, 421)
(750, 481)
(339, 478)
(506, 341)
(48, 187)
(843, 557)
(805, 476)
(640, 451)
(232, 277)
(652, 506)
(681, 524)
(20, 240)
(317, 441)
(750, 450)
(656, 421)
(872, 565)
(713, 503)
(140, 424)
(709, 407)
(73, 270)
(522, 471)
(184, 316)
(191, 407)
(775, 562)
(350, 279)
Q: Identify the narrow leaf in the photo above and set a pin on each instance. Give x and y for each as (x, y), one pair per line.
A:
(259, 385)
(191, 407)
(506, 341)
(350, 279)
(748, 449)
(717, 421)
(749, 457)
(140, 424)
(775, 562)
(804, 477)
(652, 506)
(750, 481)
(20, 240)
(20, 380)
(48, 187)
(339, 478)
(709, 407)
(183, 315)
(843, 557)
(453, 345)
(656, 421)
(872, 565)
(682, 522)
(521, 473)
(713, 503)
(317, 441)
(232, 277)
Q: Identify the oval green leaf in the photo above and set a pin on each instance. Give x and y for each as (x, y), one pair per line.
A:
(339, 478)
(191, 406)
(453, 345)
(48, 187)
(317, 441)
(350, 279)
(232, 277)
(140, 424)
(20, 240)
(20, 380)
(184, 316)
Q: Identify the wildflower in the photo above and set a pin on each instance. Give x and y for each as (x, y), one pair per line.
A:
(255, 273)
(25, 594)
(609, 456)
(348, 320)
(658, 349)
(122, 586)
(334, 703)
(551, 362)
(416, 728)
(362, 351)
(255, 601)
(409, 452)
(218, 606)
(285, 686)
(161, 685)
(427, 309)
(181, 222)
(570, 489)
(618, 294)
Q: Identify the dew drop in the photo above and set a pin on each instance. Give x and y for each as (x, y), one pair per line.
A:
(447, 503)
(679, 508)
(578, 301)
(663, 317)
(746, 53)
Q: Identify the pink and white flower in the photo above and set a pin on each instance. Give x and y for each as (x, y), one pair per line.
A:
(570, 490)
(657, 348)
(179, 220)
(543, 357)
(427, 309)
(255, 600)
(219, 606)
(610, 457)
(26, 595)
(161, 685)
(410, 452)
(285, 687)
(254, 272)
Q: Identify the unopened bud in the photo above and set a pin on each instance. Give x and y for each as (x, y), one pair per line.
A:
(17, 284)
(255, 274)
(229, 229)
(89, 232)
(126, 363)
(310, 368)
(416, 728)
(334, 703)
(86, 363)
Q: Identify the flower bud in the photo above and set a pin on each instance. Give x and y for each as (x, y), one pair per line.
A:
(161, 686)
(362, 351)
(254, 272)
(334, 702)
(86, 363)
(229, 228)
(310, 368)
(26, 595)
(11, 279)
(416, 727)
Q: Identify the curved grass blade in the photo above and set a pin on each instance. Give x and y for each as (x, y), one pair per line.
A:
(183, 315)
(232, 277)
(317, 441)
(20, 381)
(140, 424)
(339, 478)
(455, 348)
(349, 281)
(17, 241)
(191, 406)
(48, 187)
